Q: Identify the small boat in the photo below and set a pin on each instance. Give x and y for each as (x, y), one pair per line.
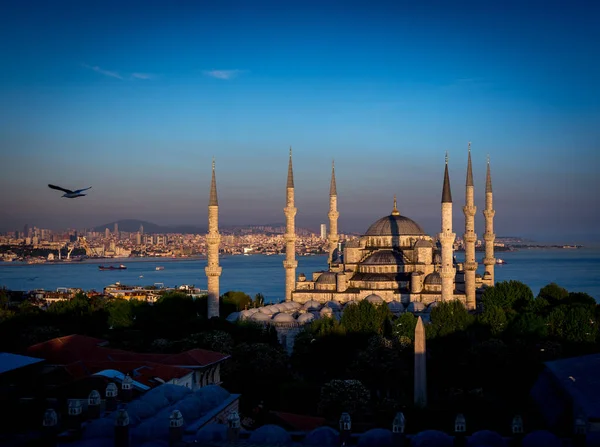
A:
(160, 267)
(112, 267)
(501, 261)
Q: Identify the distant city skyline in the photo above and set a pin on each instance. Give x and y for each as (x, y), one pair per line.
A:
(135, 98)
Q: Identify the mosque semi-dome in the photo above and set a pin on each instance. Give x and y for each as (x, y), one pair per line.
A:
(326, 278)
(433, 279)
(395, 225)
(384, 257)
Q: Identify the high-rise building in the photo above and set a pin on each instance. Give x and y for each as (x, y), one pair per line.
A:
(141, 229)
(107, 233)
(26, 230)
(116, 230)
(138, 238)
(323, 231)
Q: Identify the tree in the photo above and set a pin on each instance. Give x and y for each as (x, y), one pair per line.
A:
(234, 301)
(338, 396)
(574, 324)
(404, 326)
(508, 295)
(529, 324)
(495, 318)
(449, 317)
(259, 300)
(365, 317)
(120, 314)
(553, 293)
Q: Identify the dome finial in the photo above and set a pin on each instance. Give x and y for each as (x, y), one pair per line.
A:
(395, 211)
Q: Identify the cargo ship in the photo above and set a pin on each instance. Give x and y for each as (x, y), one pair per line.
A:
(112, 267)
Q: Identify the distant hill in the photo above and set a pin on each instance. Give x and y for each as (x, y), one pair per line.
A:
(133, 225)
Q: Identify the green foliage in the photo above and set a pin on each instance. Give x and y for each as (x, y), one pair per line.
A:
(120, 313)
(338, 396)
(530, 325)
(234, 301)
(259, 300)
(583, 299)
(447, 318)
(325, 326)
(573, 323)
(495, 318)
(508, 295)
(553, 293)
(78, 306)
(404, 326)
(365, 317)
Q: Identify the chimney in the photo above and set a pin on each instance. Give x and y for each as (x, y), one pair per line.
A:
(127, 388)
(50, 427)
(175, 427)
(122, 429)
(233, 426)
(517, 431)
(580, 432)
(460, 430)
(111, 396)
(345, 429)
(75, 414)
(94, 401)
(398, 427)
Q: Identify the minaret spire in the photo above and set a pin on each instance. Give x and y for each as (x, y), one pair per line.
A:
(489, 237)
(446, 238)
(333, 215)
(469, 210)
(213, 239)
(290, 262)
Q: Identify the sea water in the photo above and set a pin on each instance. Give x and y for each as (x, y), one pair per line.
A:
(577, 270)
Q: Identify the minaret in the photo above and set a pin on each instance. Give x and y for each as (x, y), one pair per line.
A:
(333, 215)
(447, 237)
(420, 379)
(470, 237)
(290, 263)
(489, 235)
(213, 238)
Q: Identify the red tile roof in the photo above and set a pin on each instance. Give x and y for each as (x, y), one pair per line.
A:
(64, 350)
(299, 422)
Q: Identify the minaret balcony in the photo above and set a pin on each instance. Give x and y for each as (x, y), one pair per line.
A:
(470, 238)
(289, 238)
(489, 214)
(212, 270)
(213, 238)
(489, 237)
(489, 261)
(469, 211)
(290, 264)
(470, 266)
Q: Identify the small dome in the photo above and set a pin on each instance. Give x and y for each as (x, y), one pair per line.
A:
(541, 438)
(212, 433)
(301, 277)
(486, 275)
(432, 306)
(486, 438)
(293, 304)
(433, 279)
(384, 257)
(305, 318)
(322, 436)
(270, 435)
(267, 310)
(396, 307)
(333, 305)
(326, 312)
(477, 275)
(326, 278)
(259, 316)
(233, 316)
(312, 304)
(374, 299)
(253, 310)
(283, 318)
(415, 306)
(423, 243)
(278, 308)
(351, 303)
(379, 437)
(429, 438)
(395, 225)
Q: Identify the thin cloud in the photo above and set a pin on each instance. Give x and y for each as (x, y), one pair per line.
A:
(112, 74)
(223, 74)
(142, 76)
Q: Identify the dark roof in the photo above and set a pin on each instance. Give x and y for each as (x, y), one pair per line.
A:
(384, 257)
(326, 278)
(380, 277)
(446, 193)
(578, 376)
(395, 225)
(11, 362)
(65, 350)
(213, 201)
(297, 422)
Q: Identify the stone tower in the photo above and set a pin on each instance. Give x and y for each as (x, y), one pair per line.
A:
(290, 263)
(333, 215)
(470, 237)
(447, 237)
(213, 238)
(420, 365)
(489, 235)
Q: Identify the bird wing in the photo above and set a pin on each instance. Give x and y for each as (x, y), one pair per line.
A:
(79, 190)
(68, 191)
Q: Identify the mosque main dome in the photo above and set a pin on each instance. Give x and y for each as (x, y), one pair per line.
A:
(395, 225)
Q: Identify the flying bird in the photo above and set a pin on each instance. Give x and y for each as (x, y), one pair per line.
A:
(70, 194)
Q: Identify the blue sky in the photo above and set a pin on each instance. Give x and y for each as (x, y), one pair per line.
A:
(134, 99)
